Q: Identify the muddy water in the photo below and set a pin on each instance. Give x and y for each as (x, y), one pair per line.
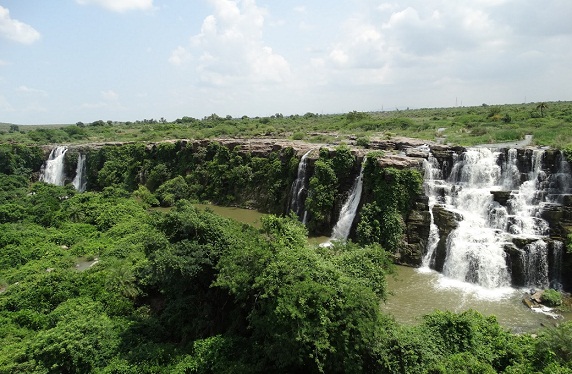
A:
(416, 293)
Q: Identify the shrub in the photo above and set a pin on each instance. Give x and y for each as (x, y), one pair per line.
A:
(298, 135)
(552, 297)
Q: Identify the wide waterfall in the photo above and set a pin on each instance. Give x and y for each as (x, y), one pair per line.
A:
(298, 189)
(496, 237)
(79, 181)
(348, 212)
(52, 171)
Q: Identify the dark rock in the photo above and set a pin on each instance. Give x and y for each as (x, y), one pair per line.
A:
(501, 197)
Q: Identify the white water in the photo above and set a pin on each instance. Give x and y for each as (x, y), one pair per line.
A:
(53, 169)
(432, 174)
(79, 181)
(342, 228)
(298, 189)
(476, 257)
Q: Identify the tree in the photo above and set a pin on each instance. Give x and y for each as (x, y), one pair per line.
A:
(542, 107)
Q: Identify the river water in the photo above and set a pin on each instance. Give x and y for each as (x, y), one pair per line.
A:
(417, 292)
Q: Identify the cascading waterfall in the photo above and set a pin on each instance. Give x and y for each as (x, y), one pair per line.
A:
(298, 189)
(476, 250)
(341, 230)
(79, 181)
(53, 169)
(432, 174)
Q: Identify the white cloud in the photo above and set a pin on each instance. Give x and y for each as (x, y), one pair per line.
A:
(230, 49)
(15, 30)
(179, 56)
(120, 5)
(32, 91)
(110, 95)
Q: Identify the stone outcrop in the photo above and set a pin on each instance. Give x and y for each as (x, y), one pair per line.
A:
(446, 221)
(418, 225)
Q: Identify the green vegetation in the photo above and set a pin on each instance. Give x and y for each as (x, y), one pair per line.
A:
(392, 191)
(186, 291)
(552, 297)
(549, 123)
(100, 282)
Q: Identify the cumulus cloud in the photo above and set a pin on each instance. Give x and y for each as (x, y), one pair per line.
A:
(229, 47)
(120, 5)
(15, 30)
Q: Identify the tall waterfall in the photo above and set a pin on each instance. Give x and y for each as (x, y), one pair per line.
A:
(53, 169)
(432, 173)
(298, 189)
(348, 212)
(79, 181)
(491, 239)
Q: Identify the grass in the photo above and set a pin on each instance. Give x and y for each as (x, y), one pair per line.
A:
(458, 126)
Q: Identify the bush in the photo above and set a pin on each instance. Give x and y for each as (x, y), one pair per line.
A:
(298, 136)
(552, 297)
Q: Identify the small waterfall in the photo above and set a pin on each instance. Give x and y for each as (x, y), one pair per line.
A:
(524, 204)
(535, 264)
(53, 169)
(348, 212)
(298, 189)
(432, 174)
(555, 266)
(79, 181)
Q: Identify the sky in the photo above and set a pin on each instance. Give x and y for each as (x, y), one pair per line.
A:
(66, 61)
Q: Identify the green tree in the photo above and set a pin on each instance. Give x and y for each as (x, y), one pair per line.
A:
(542, 107)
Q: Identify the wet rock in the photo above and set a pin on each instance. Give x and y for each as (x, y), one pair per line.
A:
(501, 197)
(446, 222)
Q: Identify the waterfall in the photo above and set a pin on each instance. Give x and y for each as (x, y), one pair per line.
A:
(53, 169)
(555, 267)
(535, 264)
(348, 212)
(486, 223)
(79, 181)
(299, 188)
(432, 174)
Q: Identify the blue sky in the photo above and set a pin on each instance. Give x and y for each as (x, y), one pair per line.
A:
(66, 61)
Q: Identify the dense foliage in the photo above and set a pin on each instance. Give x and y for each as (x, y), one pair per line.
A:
(392, 192)
(168, 172)
(98, 282)
(329, 186)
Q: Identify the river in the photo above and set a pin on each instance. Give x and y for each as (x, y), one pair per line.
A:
(418, 292)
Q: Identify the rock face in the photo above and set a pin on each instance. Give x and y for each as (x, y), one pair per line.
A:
(417, 232)
(446, 222)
